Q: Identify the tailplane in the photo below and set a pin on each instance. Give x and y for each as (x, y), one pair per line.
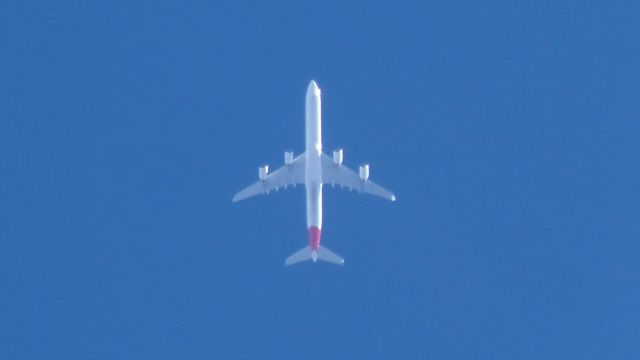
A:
(306, 253)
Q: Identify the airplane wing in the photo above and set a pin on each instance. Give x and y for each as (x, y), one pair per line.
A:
(283, 177)
(345, 177)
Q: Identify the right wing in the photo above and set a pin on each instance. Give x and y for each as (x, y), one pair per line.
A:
(345, 177)
(286, 175)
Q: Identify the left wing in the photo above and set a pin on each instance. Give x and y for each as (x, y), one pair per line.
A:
(291, 174)
(345, 177)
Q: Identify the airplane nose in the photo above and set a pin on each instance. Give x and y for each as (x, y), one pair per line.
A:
(313, 87)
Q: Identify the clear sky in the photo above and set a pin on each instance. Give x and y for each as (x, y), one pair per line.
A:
(508, 131)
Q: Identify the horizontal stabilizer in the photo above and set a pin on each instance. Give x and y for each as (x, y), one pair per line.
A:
(306, 253)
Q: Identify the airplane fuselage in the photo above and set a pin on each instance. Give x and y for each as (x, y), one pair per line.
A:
(313, 170)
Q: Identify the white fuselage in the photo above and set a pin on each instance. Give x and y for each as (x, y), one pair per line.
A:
(313, 171)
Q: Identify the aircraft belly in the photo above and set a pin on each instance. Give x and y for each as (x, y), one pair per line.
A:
(314, 205)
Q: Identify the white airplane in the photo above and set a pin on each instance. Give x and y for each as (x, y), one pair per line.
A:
(313, 168)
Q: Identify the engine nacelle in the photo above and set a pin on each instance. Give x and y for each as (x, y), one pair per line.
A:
(364, 172)
(288, 157)
(263, 172)
(337, 157)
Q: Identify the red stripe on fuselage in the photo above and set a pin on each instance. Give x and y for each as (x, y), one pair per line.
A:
(314, 238)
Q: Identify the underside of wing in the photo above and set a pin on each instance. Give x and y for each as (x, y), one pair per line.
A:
(338, 174)
(287, 175)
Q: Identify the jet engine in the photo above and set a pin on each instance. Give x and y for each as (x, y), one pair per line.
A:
(263, 172)
(364, 172)
(337, 157)
(288, 157)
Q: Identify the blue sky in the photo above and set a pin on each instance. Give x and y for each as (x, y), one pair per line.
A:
(508, 131)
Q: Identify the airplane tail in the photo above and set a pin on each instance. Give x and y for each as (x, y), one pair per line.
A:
(306, 253)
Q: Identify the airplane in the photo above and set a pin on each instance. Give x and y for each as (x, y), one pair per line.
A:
(313, 168)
